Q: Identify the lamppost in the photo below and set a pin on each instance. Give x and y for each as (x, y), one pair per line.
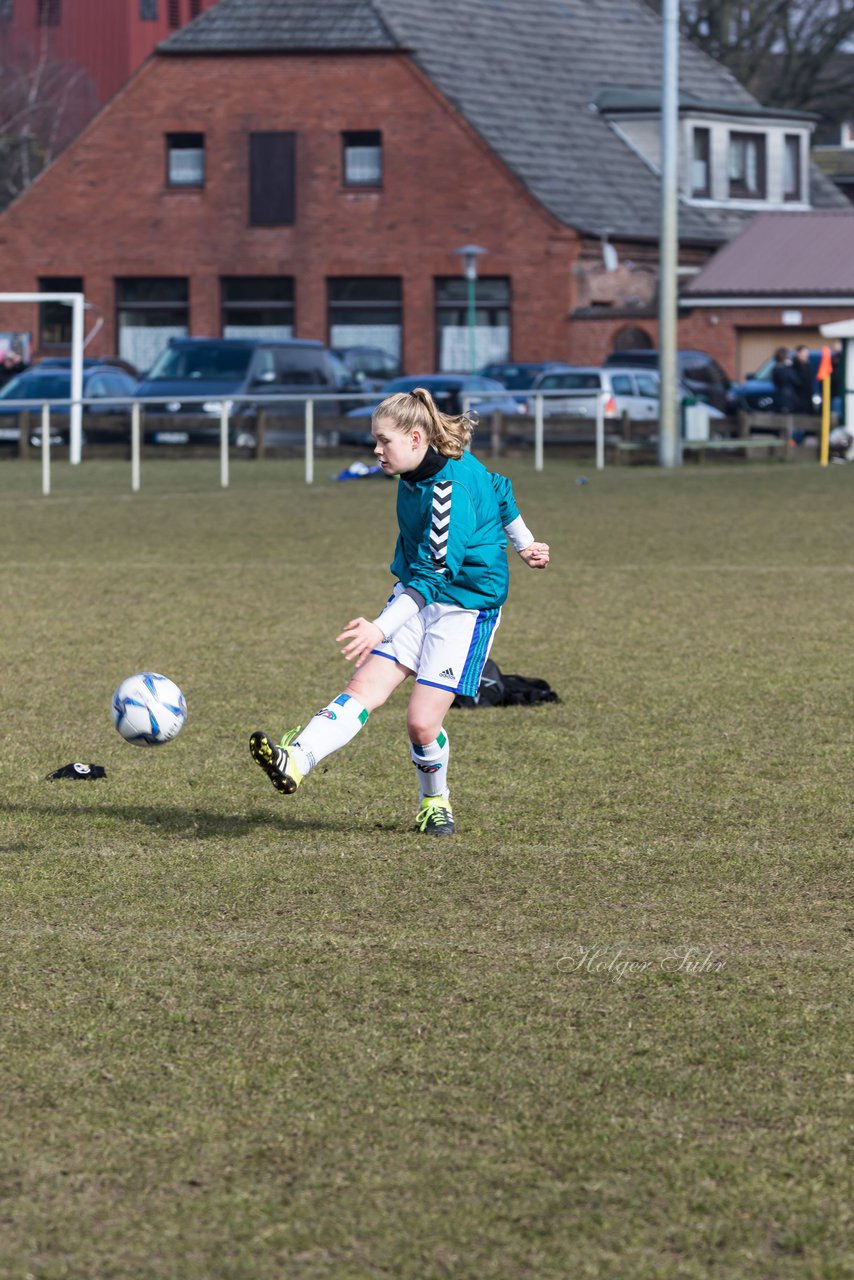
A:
(470, 254)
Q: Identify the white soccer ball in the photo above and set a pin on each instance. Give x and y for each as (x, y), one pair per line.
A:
(148, 709)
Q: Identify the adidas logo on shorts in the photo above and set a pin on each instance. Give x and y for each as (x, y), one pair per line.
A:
(447, 674)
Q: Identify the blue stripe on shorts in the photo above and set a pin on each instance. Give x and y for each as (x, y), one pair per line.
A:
(487, 620)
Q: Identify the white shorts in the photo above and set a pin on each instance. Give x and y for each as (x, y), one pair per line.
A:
(444, 645)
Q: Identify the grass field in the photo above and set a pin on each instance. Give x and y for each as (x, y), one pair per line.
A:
(602, 1033)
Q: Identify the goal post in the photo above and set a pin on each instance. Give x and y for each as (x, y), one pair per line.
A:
(77, 302)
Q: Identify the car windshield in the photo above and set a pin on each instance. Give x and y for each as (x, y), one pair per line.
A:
(765, 369)
(207, 362)
(38, 386)
(516, 377)
(571, 382)
(433, 385)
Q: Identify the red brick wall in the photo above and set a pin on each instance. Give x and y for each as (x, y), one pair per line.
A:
(106, 37)
(103, 209)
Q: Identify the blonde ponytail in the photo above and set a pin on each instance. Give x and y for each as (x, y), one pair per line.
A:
(449, 434)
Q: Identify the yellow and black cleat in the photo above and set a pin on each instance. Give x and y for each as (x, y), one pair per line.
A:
(435, 818)
(276, 761)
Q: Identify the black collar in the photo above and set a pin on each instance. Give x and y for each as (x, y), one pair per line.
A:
(430, 464)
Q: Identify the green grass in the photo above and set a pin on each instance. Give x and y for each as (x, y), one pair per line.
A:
(250, 1037)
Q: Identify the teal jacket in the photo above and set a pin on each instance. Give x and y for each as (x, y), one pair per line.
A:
(451, 547)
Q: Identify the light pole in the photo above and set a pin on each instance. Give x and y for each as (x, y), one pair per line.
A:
(669, 439)
(470, 254)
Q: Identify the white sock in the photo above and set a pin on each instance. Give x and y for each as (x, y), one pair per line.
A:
(431, 761)
(330, 729)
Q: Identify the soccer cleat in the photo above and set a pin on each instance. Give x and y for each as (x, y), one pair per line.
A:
(276, 761)
(434, 818)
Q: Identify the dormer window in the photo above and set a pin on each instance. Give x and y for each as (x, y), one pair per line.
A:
(701, 169)
(747, 166)
(792, 167)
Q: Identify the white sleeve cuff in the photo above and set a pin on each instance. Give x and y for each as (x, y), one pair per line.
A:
(402, 608)
(519, 533)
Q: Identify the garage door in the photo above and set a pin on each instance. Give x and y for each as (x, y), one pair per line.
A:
(755, 345)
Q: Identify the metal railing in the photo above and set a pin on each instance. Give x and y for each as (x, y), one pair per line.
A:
(136, 407)
(539, 398)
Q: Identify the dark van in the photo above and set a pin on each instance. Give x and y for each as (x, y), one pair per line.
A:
(700, 373)
(218, 369)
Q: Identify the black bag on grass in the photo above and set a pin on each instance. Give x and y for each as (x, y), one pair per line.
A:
(496, 689)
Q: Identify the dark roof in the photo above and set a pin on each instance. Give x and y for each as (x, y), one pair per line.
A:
(280, 26)
(525, 74)
(627, 100)
(789, 255)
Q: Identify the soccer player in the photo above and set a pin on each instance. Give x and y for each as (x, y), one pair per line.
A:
(440, 621)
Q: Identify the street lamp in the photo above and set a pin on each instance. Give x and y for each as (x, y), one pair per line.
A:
(470, 254)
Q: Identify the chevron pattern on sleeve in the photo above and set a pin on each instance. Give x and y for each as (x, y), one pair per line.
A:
(441, 521)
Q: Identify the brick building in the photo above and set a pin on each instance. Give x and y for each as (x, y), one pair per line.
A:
(108, 39)
(281, 167)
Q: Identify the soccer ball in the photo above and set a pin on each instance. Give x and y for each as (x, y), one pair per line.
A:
(148, 709)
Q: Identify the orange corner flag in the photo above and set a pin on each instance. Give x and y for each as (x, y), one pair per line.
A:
(824, 367)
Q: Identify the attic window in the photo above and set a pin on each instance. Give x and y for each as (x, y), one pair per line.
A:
(701, 163)
(362, 159)
(747, 166)
(792, 167)
(185, 159)
(49, 13)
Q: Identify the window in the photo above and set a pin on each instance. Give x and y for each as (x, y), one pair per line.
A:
(622, 385)
(792, 167)
(747, 165)
(174, 13)
(362, 159)
(257, 306)
(48, 13)
(55, 317)
(148, 10)
(700, 163)
(195, 8)
(647, 384)
(365, 311)
(491, 334)
(6, 10)
(272, 179)
(185, 159)
(289, 368)
(150, 311)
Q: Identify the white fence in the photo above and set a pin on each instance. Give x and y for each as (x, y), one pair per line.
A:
(135, 408)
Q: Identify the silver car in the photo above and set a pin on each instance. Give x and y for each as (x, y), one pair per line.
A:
(627, 391)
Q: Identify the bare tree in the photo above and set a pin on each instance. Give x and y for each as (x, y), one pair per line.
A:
(788, 53)
(44, 103)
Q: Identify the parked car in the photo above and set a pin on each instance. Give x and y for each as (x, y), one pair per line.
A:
(448, 390)
(221, 368)
(756, 393)
(371, 367)
(635, 392)
(631, 391)
(697, 371)
(64, 362)
(102, 383)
